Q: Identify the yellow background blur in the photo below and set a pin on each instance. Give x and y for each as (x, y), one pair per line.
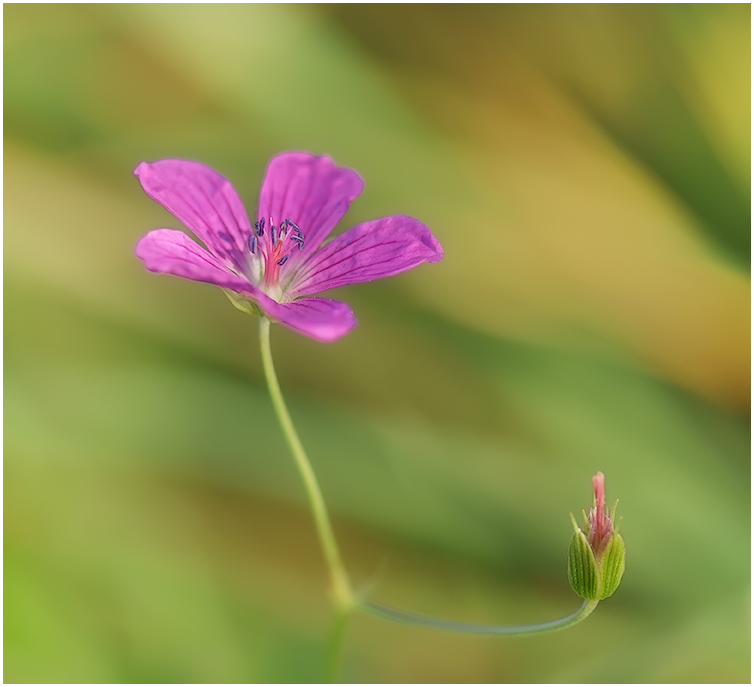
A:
(587, 170)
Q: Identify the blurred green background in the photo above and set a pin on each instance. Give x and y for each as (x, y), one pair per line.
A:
(587, 170)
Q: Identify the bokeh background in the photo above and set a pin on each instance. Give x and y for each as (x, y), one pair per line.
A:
(587, 170)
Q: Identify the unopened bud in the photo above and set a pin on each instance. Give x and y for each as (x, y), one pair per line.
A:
(597, 556)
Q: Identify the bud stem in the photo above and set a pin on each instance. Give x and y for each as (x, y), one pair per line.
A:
(469, 628)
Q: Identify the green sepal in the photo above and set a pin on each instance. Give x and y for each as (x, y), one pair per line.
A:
(582, 568)
(243, 304)
(612, 565)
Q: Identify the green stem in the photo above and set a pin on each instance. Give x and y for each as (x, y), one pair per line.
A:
(335, 647)
(341, 587)
(511, 630)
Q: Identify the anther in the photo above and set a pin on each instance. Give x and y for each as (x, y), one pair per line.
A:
(253, 244)
(259, 227)
(284, 259)
(295, 226)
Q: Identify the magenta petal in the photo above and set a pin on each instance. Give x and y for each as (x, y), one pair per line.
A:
(205, 202)
(318, 318)
(169, 251)
(376, 249)
(311, 191)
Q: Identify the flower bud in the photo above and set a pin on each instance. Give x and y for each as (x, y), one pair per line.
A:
(596, 557)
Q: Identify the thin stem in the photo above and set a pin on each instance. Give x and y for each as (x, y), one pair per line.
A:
(335, 646)
(341, 587)
(511, 630)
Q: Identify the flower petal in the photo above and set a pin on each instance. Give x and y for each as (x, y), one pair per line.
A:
(311, 191)
(376, 249)
(170, 251)
(318, 318)
(205, 202)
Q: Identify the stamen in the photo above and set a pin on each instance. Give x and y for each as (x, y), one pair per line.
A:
(253, 244)
(283, 228)
(259, 228)
(272, 233)
(284, 259)
(294, 225)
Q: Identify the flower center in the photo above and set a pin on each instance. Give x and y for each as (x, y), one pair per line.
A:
(272, 246)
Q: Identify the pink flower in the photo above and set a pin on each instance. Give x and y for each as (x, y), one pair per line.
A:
(276, 266)
(600, 523)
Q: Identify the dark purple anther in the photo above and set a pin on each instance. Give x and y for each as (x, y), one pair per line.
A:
(253, 244)
(284, 259)
(259, 228)
(295, 226)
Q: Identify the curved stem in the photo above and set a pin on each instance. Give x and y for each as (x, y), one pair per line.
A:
(469, 628)
(341, 587)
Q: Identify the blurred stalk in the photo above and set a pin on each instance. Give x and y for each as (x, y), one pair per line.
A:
(335, 646)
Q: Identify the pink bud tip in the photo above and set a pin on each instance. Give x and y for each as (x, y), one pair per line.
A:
(600, 524)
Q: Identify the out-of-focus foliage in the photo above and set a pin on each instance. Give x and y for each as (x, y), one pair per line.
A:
(587, 171)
